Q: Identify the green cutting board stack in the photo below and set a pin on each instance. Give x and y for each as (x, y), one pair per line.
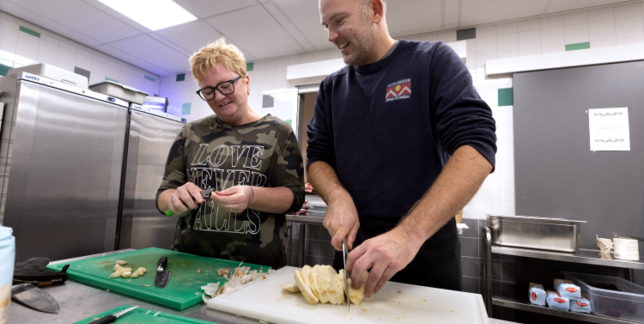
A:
(142, 315)
(183, 289)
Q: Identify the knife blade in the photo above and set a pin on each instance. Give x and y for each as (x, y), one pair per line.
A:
(205, 194)
(162, 277)
(35, 298)
(345, 252)
(112, 317)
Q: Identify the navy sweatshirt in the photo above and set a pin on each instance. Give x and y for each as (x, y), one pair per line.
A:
(389, 127)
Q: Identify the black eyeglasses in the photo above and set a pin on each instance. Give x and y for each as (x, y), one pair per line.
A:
(225, 88)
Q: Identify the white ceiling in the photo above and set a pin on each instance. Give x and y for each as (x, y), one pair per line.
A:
(260, 28)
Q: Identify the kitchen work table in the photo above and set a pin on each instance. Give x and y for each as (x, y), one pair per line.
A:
(79, 301)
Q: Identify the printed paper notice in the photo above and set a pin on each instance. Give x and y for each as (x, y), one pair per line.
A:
(609, 129)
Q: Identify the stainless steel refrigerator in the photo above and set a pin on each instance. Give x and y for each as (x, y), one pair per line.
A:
(150, 137)
(61, 157)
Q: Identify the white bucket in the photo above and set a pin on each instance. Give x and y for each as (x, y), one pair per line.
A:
(626, 249)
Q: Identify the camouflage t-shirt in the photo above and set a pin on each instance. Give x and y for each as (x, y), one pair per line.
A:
(211, 153)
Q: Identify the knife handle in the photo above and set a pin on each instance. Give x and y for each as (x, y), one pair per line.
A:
(106, 319)
(162, 262)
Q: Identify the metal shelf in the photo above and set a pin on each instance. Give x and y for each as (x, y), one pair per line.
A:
(310, 218)
(585, 256)
(591, 318)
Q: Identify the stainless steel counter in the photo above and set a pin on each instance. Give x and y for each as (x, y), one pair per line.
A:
(585, 256)
(78, 301)
(310, 218)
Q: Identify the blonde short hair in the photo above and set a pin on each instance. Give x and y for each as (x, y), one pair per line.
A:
(217, 52)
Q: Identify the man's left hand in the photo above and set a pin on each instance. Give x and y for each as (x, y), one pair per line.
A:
(385, 254)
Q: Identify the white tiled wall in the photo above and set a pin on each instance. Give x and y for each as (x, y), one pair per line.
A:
(605, 26)
(602, 27)
(267, 78)
(18, 48)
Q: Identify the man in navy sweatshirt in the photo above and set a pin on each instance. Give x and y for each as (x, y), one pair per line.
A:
(400, 141)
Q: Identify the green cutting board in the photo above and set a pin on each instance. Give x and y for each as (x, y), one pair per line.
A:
(142, 315)
(183, 289)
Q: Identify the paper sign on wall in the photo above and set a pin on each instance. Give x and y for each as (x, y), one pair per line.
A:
(609, 129)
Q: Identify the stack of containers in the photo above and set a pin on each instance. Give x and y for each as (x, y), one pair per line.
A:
(611, 296)
(566, 297)
(120, 91)
(585, 293)
(570, 292)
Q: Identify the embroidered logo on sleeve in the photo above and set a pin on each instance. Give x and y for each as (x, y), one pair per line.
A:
(398, 90)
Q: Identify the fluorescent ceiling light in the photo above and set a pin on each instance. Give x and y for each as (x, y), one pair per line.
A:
(153, 14)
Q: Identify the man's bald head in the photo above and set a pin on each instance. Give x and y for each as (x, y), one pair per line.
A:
(364, 4)
(357, 28)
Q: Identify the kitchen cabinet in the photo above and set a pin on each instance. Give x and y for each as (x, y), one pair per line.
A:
(301, 220)
(582, 256)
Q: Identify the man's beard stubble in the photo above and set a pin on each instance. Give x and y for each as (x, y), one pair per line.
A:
(362, 44)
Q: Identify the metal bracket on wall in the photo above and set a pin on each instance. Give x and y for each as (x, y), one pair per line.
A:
(486, 266)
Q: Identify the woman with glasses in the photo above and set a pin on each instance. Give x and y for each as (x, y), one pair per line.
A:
(252, 164)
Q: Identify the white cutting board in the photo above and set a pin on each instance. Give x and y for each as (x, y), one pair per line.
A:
(394, 303)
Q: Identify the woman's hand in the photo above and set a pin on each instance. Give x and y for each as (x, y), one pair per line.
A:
(185, 198)
(234, 199)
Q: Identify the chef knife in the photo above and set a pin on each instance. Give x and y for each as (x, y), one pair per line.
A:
(205, 194)
(112, 317)
(34, 297)
(345, 252)
(162, 277)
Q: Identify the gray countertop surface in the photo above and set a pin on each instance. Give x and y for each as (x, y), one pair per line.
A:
(78, 301)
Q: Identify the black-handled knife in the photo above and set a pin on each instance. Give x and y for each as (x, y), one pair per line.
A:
(162, 277)
(112, 317)
(163, 261)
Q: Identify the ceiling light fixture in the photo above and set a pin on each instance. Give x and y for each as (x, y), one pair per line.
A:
(153, 14)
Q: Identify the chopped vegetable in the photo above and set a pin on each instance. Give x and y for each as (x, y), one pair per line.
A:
(126, 272)
(323, 284)
(241, 276)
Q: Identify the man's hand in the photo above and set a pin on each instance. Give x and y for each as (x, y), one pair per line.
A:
(341, 221)
(234, 199)
(390, 252)
(341, 218)
(385, 254)
(185, 198)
